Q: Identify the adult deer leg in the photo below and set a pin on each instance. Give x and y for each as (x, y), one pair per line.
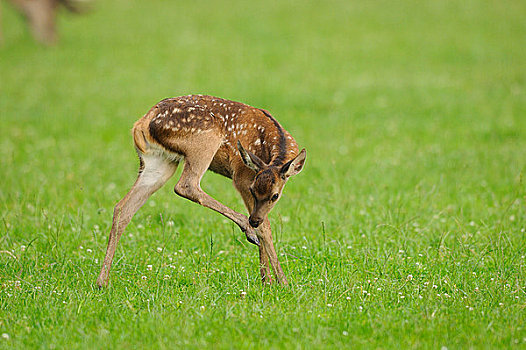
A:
(153, 175)
(41, 17)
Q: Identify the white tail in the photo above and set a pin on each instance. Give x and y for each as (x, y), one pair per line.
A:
(212, 133)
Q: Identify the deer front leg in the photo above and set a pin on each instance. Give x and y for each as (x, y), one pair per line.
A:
(242, 187)
(265, 238)
(189, 187)
(264, 267)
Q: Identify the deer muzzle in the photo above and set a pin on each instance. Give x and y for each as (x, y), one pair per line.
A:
(254, 222)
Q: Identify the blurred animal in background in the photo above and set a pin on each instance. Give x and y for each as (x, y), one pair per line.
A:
(41, 16)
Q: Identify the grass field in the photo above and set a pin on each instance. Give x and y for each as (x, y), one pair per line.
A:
(405, 229)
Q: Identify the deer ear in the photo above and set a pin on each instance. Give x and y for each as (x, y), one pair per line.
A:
(251, 160)
(294, 166)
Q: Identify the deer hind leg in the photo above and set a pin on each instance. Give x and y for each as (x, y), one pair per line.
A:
(155, 171)
(198, 157)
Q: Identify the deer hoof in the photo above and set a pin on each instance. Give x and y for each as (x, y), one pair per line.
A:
(252, 238)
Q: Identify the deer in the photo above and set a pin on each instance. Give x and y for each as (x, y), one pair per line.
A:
(243, 143)
(41, 16)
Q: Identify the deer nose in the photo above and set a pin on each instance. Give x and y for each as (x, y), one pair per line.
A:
(254, 222)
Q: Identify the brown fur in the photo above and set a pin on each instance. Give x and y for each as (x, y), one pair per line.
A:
(208, 133)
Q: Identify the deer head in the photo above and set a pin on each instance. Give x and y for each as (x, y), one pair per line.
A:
(269, 181)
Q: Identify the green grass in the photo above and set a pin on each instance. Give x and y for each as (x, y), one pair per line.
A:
(405, 229)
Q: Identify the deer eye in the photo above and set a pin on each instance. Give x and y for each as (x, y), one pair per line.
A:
(275, 197)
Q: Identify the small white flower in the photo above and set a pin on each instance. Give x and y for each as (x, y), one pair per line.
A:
(345, 333)
(23, 248)
(501, 304)
(89, 250)
(149, 267)
(409, 277)
(5, 335)
(329, 305)
(348, 298)
(144, 277)
(159, 249)
(170, 223)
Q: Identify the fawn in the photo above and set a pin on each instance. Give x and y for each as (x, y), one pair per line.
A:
(208, 132)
